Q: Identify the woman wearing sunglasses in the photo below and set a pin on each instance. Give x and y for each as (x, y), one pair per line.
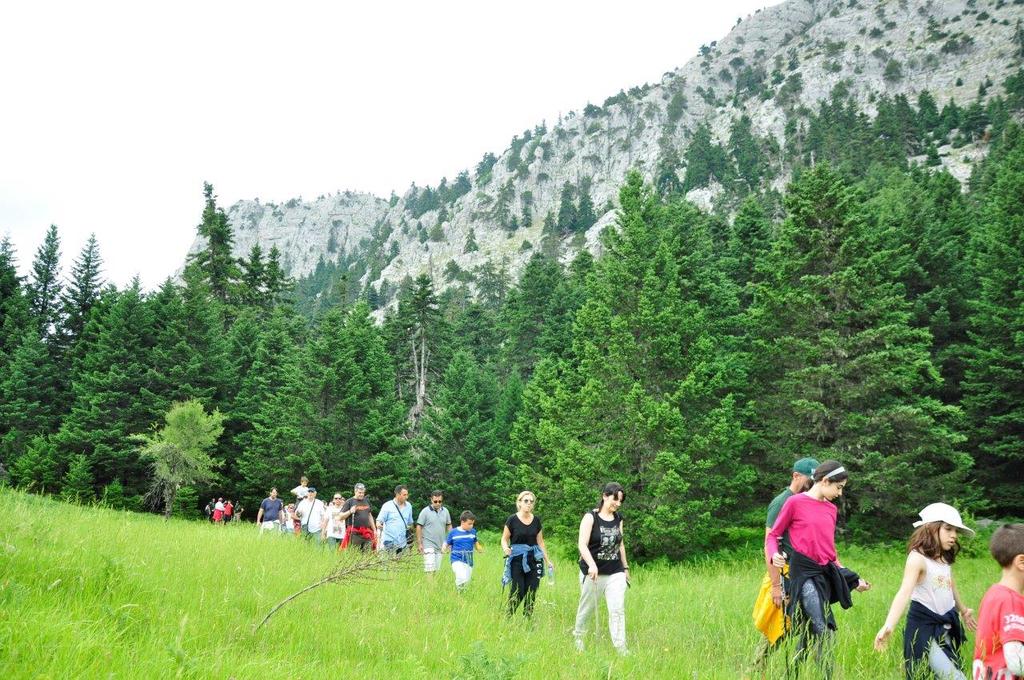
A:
(522, 541)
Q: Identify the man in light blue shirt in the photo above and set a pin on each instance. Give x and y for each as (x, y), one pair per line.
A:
(395, 521)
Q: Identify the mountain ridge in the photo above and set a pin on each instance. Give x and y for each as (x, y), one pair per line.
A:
(774, 67)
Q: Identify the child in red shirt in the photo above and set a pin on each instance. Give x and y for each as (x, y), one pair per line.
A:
(999, 646)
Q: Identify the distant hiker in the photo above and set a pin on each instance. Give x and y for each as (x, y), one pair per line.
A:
(229, 511)
(999, 644)
(290, 523)
(432, 528)
(603, 567)
(395, 521)
(208, 510)
(271, 512)
(817, 579)
(934, 633)
(462, 541)
(218, 511)
(360, 528)
(768, 616)
(312, 514)
(334, 527)
(522, 541)
(300, 491)
(237, 517)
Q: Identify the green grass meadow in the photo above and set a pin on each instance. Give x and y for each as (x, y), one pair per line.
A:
(94, 593)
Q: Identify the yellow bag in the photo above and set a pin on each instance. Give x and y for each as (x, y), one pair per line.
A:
(768, 618)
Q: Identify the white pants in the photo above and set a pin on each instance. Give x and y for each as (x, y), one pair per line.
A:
(431, 559)
(614, 589)
(270, 526)
(463, 572)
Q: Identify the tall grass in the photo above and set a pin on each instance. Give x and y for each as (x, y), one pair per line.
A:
(95, 593)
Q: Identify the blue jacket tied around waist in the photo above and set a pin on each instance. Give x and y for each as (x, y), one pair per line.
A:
(524, 551)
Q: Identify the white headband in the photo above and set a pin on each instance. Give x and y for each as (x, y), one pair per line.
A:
(838, 471)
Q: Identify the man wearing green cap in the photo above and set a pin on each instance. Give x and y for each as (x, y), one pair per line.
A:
(768, 618)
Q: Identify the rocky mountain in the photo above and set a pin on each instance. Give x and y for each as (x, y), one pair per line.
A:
(774, 67)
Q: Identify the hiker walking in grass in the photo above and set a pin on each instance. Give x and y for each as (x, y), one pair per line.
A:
(462, 541)
(268, 517)
(395, 521)
(360, 527)
(334, 527)
(289, 523)
(208, 510)
(432, 527)
(817, 578)
(312, 514)
(603, 567)
(999, 644)
(768, 616)
(522, 541)
(934, 632)
(229, 511)
(218, 511)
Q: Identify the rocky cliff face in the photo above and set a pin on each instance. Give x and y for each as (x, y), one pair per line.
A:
(773, 66)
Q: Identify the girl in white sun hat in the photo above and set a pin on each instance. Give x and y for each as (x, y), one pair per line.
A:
(934, 630)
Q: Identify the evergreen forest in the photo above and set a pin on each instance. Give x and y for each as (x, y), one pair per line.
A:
(872, 313)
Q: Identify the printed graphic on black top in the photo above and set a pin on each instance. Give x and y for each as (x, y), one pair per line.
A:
(611, 537)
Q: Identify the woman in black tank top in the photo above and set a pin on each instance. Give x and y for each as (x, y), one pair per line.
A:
(603, 567)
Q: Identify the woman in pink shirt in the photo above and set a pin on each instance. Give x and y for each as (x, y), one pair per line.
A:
(816, 578)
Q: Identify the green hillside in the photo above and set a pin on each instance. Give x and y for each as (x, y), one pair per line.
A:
(96, 593)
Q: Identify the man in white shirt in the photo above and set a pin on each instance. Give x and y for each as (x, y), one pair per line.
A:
(312, 514)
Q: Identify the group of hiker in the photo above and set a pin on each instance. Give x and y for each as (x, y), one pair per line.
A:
(805, 578)
(356, 523)
(221, 511)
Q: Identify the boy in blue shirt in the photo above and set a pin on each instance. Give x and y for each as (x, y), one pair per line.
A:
(462, 542)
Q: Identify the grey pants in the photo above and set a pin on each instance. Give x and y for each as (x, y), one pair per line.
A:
(614, 589)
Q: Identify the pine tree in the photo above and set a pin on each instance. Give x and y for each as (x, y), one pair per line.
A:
(277, 285)
(112, 400)
(994, 380)
(44, 287)
(38, 469)
(851, 373)
(215, 263)
(666, 177)
(585, 217)
(14, 305)
(927, 114)
(459, 447)
(528, 313)
(749, 240)
(31, 404)
(746, 152)
(254, 274)
(642, 404)
(705, 161)
(83, 291)
(567, 217)
(77, 487)
(265, 410)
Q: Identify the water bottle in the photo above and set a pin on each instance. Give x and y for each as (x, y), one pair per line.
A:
(551, 574)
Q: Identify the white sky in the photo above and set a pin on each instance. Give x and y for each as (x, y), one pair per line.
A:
(113, 114)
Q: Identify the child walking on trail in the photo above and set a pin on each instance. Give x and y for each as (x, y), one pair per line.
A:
(999, 644)
(934, 632)
(817, 578)
(462, 541)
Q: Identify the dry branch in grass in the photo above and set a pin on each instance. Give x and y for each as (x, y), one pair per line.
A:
(353, 566)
